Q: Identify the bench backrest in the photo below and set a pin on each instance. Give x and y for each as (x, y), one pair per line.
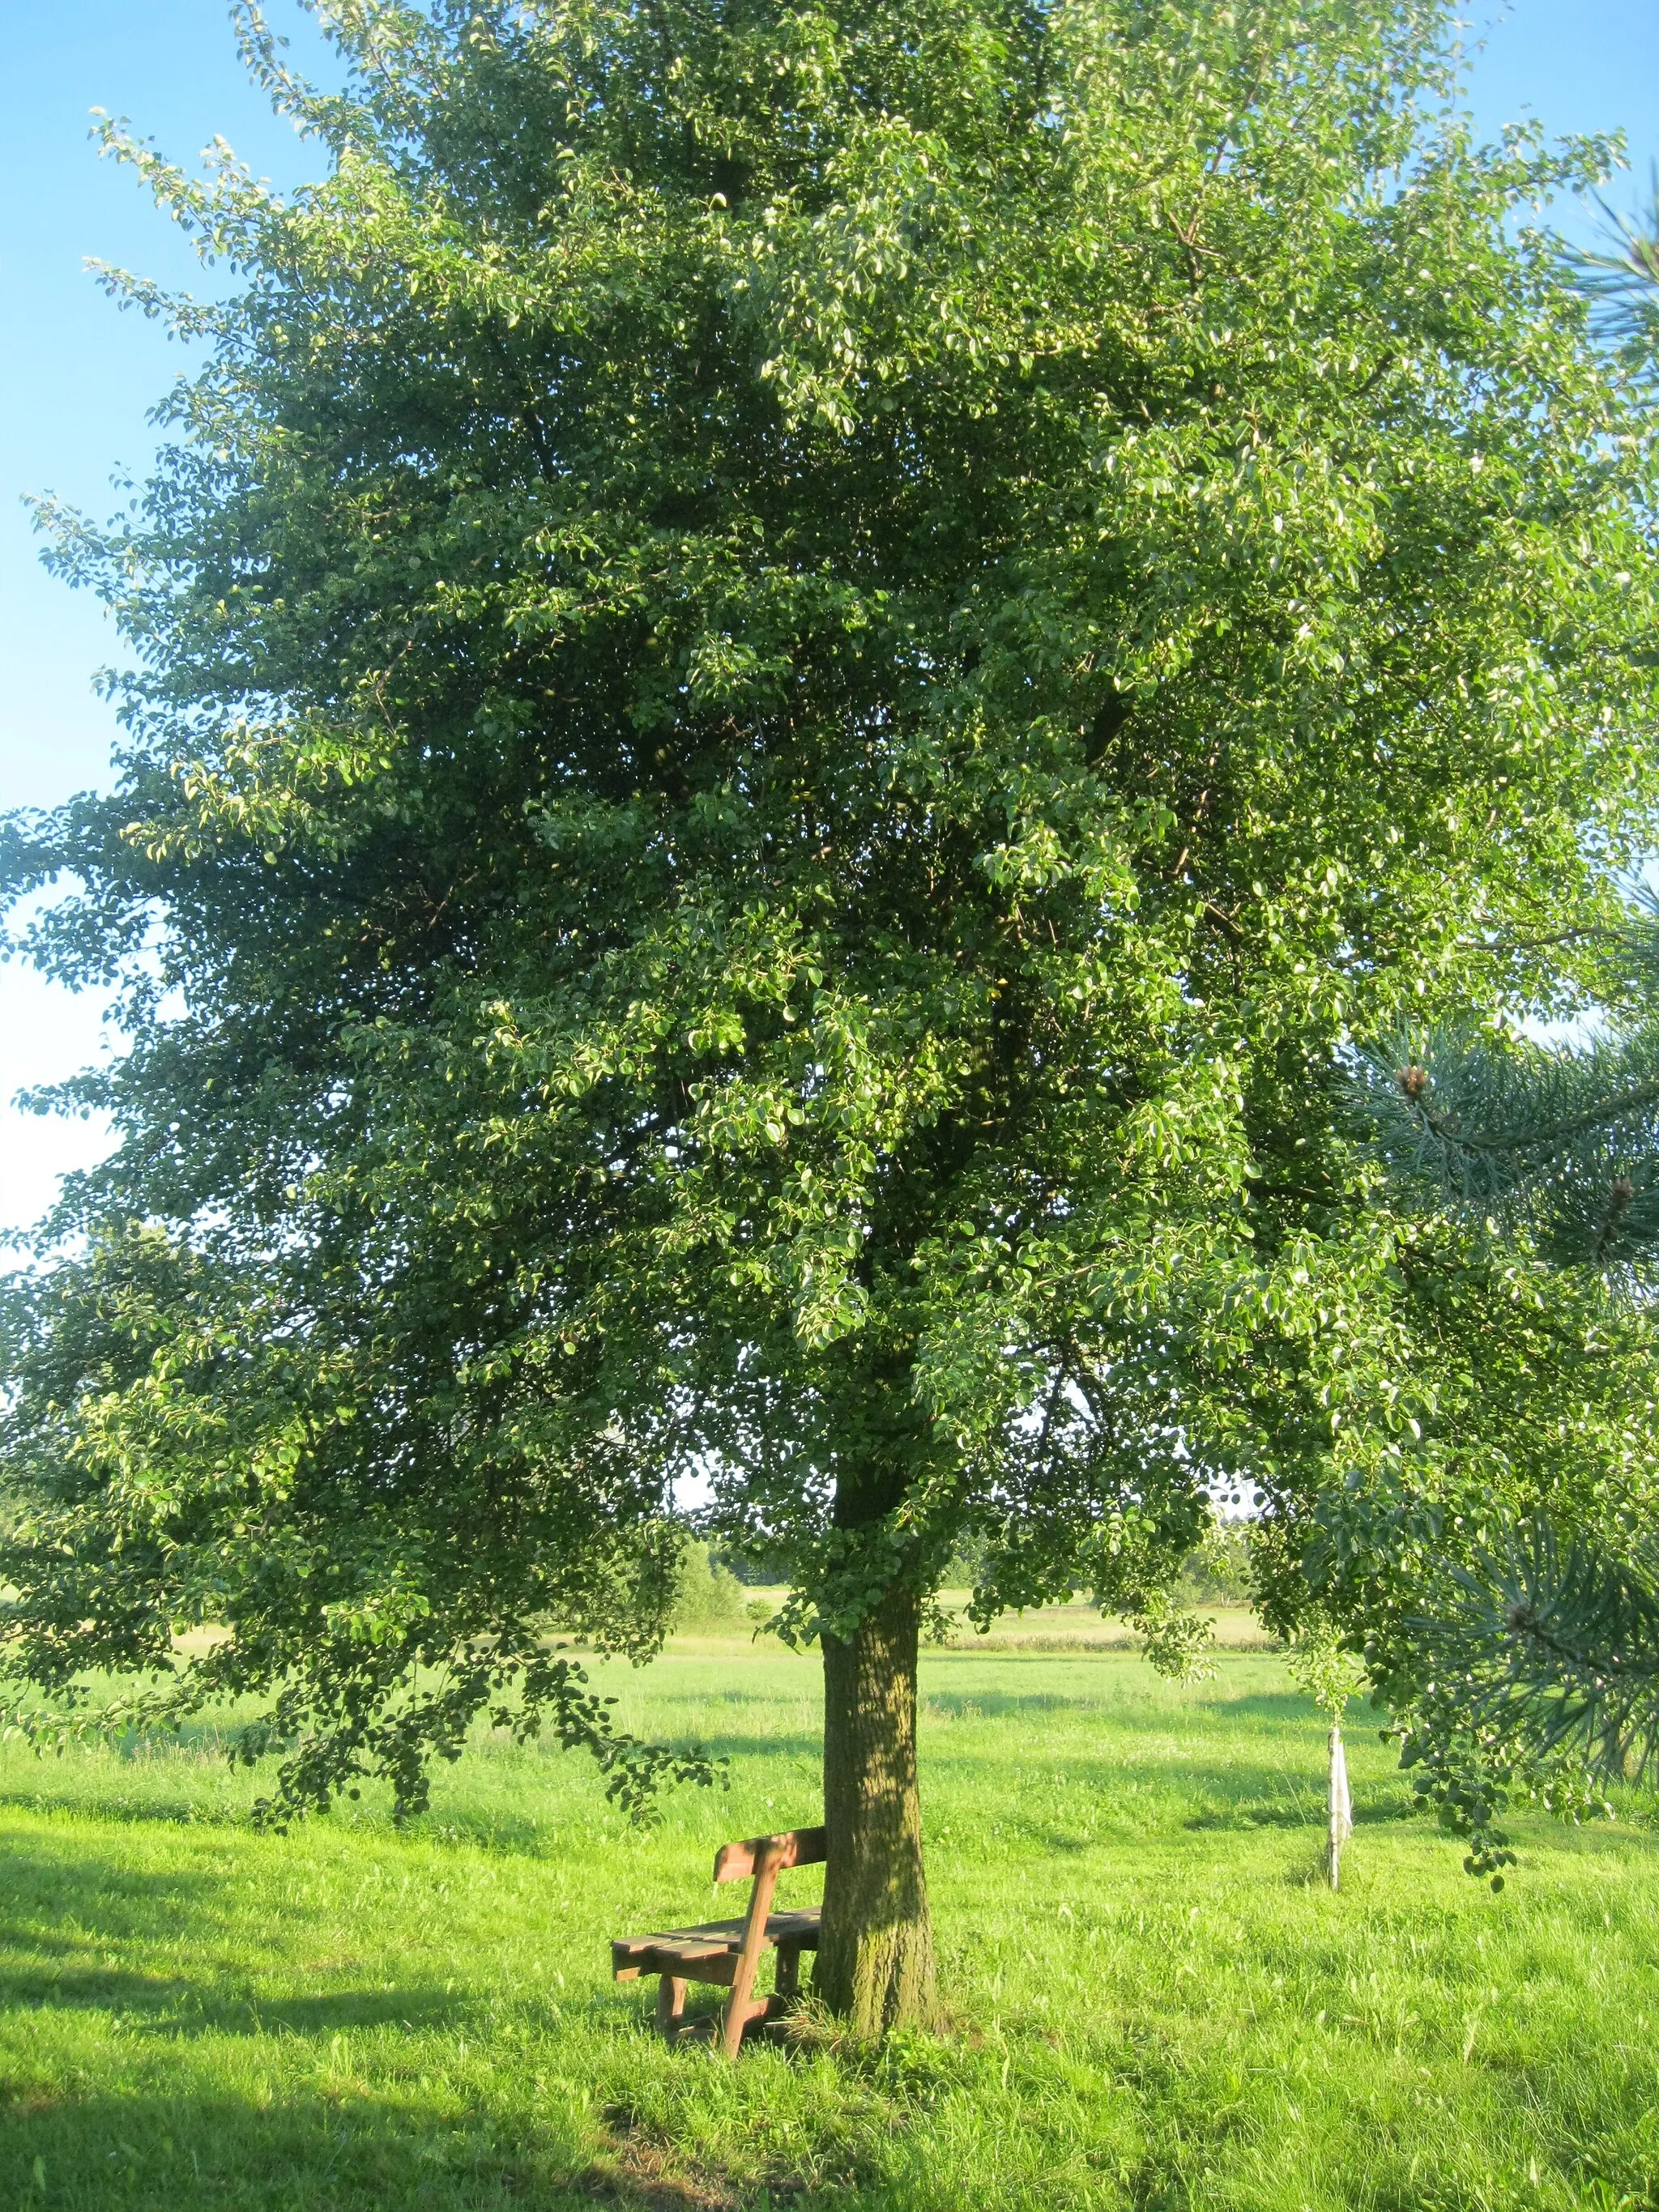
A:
(794, 1847)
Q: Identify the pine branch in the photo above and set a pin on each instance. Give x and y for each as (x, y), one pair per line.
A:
(1551, 1648)
(1562, 1142)
(1621, 280)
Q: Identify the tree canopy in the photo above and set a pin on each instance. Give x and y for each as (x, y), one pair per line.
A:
(799, 672)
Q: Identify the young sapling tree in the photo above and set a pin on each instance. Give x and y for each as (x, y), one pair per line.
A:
(1324, 1672)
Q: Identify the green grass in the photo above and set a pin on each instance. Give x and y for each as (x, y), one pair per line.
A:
(1154, 2002)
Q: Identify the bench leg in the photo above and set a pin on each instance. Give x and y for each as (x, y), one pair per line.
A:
(788, 1977)
(670, 2006)
(735, 2018)
(741, 2008)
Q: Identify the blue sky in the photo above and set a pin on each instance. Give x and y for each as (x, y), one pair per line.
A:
(78, 377)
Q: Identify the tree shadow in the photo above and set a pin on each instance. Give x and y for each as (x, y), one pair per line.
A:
(999, 1705)
(112, 1804)
(1265, 1800)
(1253, 1815)
(1128, 1715)
(181, 2007)
(1288, 1705)
(58, 1958)
(729, 1746)
(343, 2145)
(151, 2153)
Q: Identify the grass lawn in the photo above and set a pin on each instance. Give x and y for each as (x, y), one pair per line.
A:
(1154, 2004)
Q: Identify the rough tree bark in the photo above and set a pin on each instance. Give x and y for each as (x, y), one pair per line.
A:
(875, 1960)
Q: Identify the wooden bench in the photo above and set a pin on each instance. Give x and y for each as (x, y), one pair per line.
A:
(728, 1951)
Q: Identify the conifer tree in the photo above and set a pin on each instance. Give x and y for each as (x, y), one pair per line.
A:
(1528, 1656)
(1531, 1658)
(797, 669)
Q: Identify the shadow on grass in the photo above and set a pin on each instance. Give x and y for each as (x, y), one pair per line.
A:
(68, 1909)
(1254, 1814)
(725, 1744)
(151, 2153)
(112, 1804)
(997, 1704)
(1288, 1705)
(174, 2137)
(181, 2007)
(1127, 1714)
(522, 1836)
(534, 1835)
(67, 1881)
(1307, 1810)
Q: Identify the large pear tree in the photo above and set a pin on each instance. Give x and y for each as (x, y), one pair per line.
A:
(799, 672)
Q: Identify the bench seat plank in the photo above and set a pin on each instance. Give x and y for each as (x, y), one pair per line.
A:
(709, 1953)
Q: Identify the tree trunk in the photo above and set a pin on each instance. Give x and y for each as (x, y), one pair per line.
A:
(875, 1962)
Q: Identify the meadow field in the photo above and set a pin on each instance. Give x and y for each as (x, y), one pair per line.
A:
(1154, 2002)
